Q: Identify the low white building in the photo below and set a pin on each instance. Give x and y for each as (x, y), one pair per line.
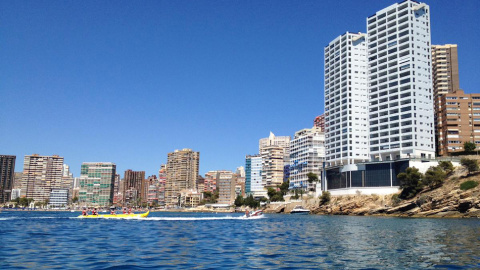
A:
(16, 192)
(58, 198)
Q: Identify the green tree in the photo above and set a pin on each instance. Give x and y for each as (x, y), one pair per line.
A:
(271, 192)
(410, 182)
(284, 187)
(325, 198)
(447, 166)
(434, 177)
(239, 201)
(312, 177)
(251, 202)
(75, 199)
(469, 147)
(470, 164)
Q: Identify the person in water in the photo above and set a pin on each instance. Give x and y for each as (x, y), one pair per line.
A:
(112, 211)
(95, 212)
(84, 212)
(124, 211)
(129, 211)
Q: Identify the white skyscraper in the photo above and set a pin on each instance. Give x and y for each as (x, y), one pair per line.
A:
(379, 104)
(346, 100)
(401, 102)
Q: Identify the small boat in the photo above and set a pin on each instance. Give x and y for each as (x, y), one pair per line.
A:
(300, 210)
(142, 215)
(257, 213)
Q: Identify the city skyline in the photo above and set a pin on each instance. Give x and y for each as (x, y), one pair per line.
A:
(238, 57)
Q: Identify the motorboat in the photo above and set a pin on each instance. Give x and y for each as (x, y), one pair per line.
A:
(257, 213)
(300, 210)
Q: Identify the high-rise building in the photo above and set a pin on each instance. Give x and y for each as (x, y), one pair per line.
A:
(182, 173)
(319, 122)
(395, 77)
(67, 180)
(134, 185)
(117, 193)
(400, 85)
(307, 154)
(152, 186)
(445, 69)
(275, 152)
(253, 176)
(445, 81)
(17, 182)
(226, 187)
(162, 177)
(461, 117)
(7, 176)
(41, 174)
(97, 180)
(272, 140)
(346, 100)
(273, 161)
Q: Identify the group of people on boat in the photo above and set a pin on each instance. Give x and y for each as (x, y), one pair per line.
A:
(85, 211)
(94, 211)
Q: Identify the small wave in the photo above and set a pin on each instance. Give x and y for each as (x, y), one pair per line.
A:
(199, 218)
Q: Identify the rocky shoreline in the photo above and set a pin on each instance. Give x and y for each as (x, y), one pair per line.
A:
(448, 201)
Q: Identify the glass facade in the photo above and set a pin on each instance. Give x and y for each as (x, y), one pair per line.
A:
(382, 174)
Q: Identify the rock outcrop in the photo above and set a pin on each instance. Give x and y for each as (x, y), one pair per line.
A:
(446, 201)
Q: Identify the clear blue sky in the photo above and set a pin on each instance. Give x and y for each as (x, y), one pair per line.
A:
(129, 81)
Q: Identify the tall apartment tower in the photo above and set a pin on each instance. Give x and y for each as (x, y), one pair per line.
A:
(346, 100)
(134, 185)
(307, 153)
(182, 173)
(7, 176)
(445, 69)
(273, 161)
(41, 174)
(253, 176)
(226, 181)
(445, 81)
(97, 181)
(461, 114)
(272, 140)
(400, 85)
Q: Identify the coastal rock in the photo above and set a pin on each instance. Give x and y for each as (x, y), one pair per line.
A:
(402, 208)
(473, 212)
(464, 205)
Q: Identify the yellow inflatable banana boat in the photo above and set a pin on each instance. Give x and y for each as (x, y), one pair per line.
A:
(142, 215)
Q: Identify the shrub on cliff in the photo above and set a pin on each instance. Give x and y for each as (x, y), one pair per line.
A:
(434, 177)
(447, 166)
(410, 182)
(468, 185)
(470, 164)
(325, 198)
(396, 200)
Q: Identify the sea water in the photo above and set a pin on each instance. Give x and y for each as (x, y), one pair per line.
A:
(228, 241)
